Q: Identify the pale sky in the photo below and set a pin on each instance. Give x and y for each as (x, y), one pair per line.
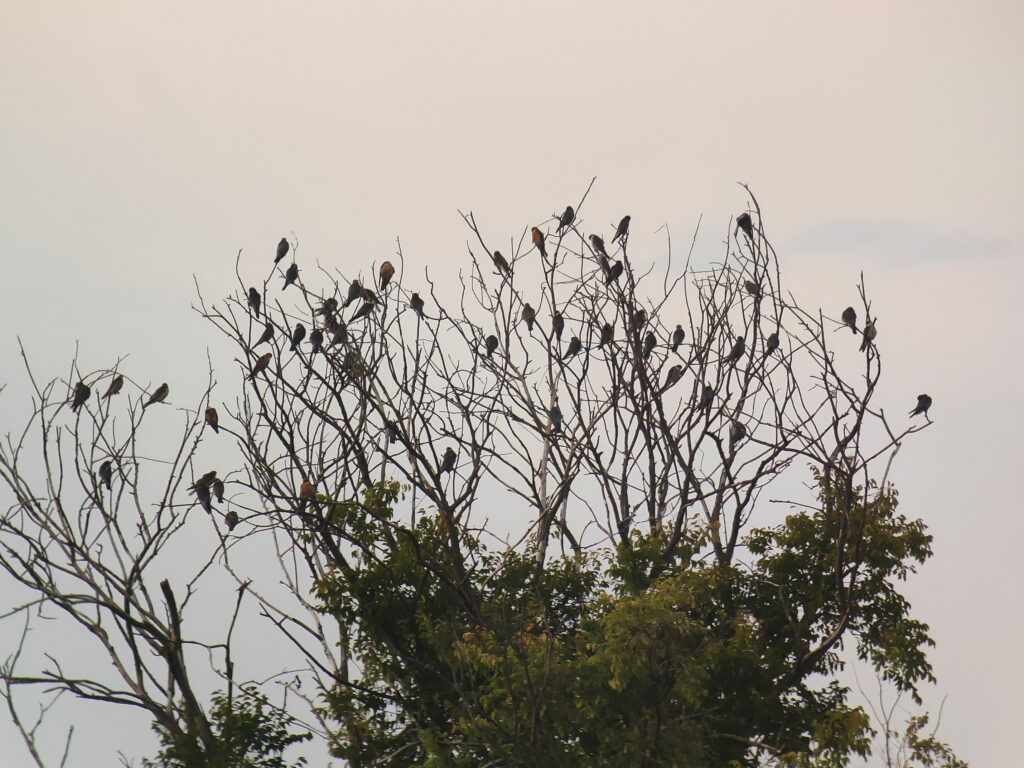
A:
(141, 146)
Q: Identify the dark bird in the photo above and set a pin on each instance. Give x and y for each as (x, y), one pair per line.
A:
(316, 340)
(607, 334)
(369, 295)
(218, 490)
(267, 335)
(597, 243)
(261, 365)
(622, 231)
(923, 404)
(753, 288)
(744, 222)
(567, 218)
(340, 334)
(355, 290)
(555, 414)
(575, 345)
(282, 249)
(254, 301)
(850, 318)
(204, 496)
(869, 335)
(650, 342)
(491, 343)
(448, 461)
(106, 473)
(675, 373)
(298, 334)
(231, 519)
(500, 263)
(677, 337)
(387, 271)
(771, 344)
(639, 320)
(538, 240)
(81, 394)
(158, 396)
(212, 419)
(605, 265)
(291, 275)
(392, 430)
(416, 304)
(328, 308)
(738, 348)
(115, 386)
(707, 397)
(529, 316)
(557, 324)
(307, 492)
(207, 479)
(363, 311)
(737, 432)
(614, 272)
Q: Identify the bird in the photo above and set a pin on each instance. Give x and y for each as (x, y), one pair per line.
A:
(392, 430)
(387, 271)
(254, 301)
(328, 308)
(231, 519)
(737, 350)
(218, 490)
(298, 334)
(207, 479)
(567, 218)
(597, 243)
(416, 304)
(212, 419)
(575, 345)
(363, 311)
(491, 343)
(115, 386)
(622, 231)
(282, 249)
(529, 316)
(557, 324)
(771, 344)
(204, 496)
(106, 473)
(555, 414)
(869, 335)
(924, 402)
(291, 275)
(650, 342)
(538, 240)
(850, 318)
(607, 334)
(267, 335)
(261, 365)
(737, 432)
(606, 267)
(158, 396)
(677, 337)
(340, 334)
(675, 373)
(316, 340)
(707, 397)
(754, 289)
(369, 295)
(500, 262)
(307, 492)
(614, 272)
(639, 320)
(448, 461)
(80, 395)
(355, 290)
(744, 222)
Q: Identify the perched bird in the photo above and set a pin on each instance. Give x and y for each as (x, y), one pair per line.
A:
(291, 275)
(850, 318)
(416, 304)
(650, 342)
(529, 316)
(231, 519)
(316, 340)
(115, 386)
(369, 295)
(491, 343)
(737, 432)
(597, 243)
(538, 240)
(363, 311)
(328, 308)
(567, 218)
(218, 490)
(392, 430)
(622, 231)
(261, 365)
(744, 222)
(448, 460)
(607, 334)
(106, 473)
(575, 345)
(606, 267)
(340, 334)
(639, 320)
(677, 337)
(355, 290)
(869, 335)
(158, 396)
(282, 249)
(206, 479)
(307, 492)
(675, 373)
(923, 404)
(267, 335)
(212, 419)
(753, 288)
(555, 414)
(738, 348)
(707, 397)
(771, 344)
(614, 272)
(204, 496)
(254, 301)
(387, 271)
(80, 395)
(557, 324)
(298, 334)
(500, 263)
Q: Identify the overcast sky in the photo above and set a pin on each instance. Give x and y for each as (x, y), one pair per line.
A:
(139, 148)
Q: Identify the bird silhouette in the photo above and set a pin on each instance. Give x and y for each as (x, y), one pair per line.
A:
(614, 272)
(607, 334)
(261, 365)
(204, 496)
(416, 304)
(363, 311)
(212, 419)
(158, 396)
(307, 492)
(282, 249)
(80, 395)
(639, 320)
(291, 275)
(500, 262)
(575, 345)
(340, 334)
(870, 332)
(267, 335)
(254, 301)
(622, 231)
(529, 316)
(597, 243)
(115, 386)
(650, 342)
(316, 340)
(106, 473)
(491, 343)
(605, 265)
(231, 519)
(448, 461)
(392, 431)
(744, 222)
(355, 290)
(538, 240)
(675, 373)
(555, 414)
(206, 479)
(753, 288)
(737, 432)
(387, 271)
(924, 402)
(328, 307)
(218, 490)
(557, 324)
(850, 318)
(677, 337)
(567, 218)
(298, 334)
(771, 344)
(707, 397)
(738, 348)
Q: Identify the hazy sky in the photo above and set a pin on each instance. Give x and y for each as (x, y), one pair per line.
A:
(139, 147)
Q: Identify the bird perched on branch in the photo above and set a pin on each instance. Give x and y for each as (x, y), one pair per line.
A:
(529, 316)
(355, 290)
(212, 419)
(557, 324)
(575, 345)
(392, 431)
(639, 320)
(924, 402)
(416, 304)
(707, 397)
(316, 340)
(366, 309)
(614, 272)
(282, 249)
(267, 335)
(870, 332)
(650, 342)
(771, 344)
(254, 301)
(738, 348)
(491, 344)
(231, 519)
(79, 396)
(328, 307)
(298, 334)
(106, 473)
(753, 288)
(538, 240)
(737, 432)
(500, 263)
(115, 386)
(158, 396)
(744, 222)
(607, 334)
(206, 479)
(261, 365)
(567, 218)
(387, 271)
(597, 243)
(622, 231)
(204, 496)
(307, 492)
(850, 318)
(217, 486)
(555, 415)
(340, 334)
(677, 337)
(291, 275)
(448, 460)
(675, 373)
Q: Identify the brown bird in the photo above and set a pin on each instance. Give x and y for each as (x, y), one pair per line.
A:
(340, 334)
(80, 395)
(639, 320)
(369, 295)
(870, 332)
(677, 337)
(158, 396)
(924, 402)
(316, 340)
(355, 290)
(737, 432)
(261, 365)
(567, 218)
(529, 316)
(675, 373)
(363, 311)
(753, 288)
(575, 345)
(500, 263)
(557, 324)
(606, 267)
(448, 460)
(206, 480)
(743, 222)
(597, 243)
(218, 490)
(614, 272)
(387, 271)
(707, 397)
(106, 473)
(607, 334)
(231, 519)
(212, 418)
(267, 335)
(555, 414)
(492, 344)
(328, 308)
(622, 231)
(254, 301)
(307, 492)
(416, 304)
(115, 386)
(282, 249)
(538, 240)
(738, 348)
(291, 275)
(392, 431)
(298, 334)
(650, 342)
(205, 498)
(850, 318)
(771, 344)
